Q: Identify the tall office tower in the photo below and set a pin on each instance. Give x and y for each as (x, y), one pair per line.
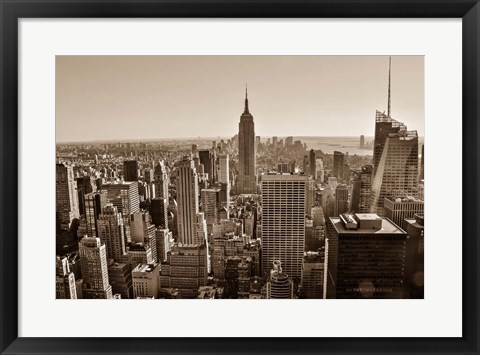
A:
(366, 257)
(159, 212)
(338, 164)
(313, 164)
(320, 170)
(64, 280)
(125, 197)
(194, 151)
(94, 203)
(384, 127)
(111, 232)
(284, 199)
(187, 200)
(361, 190)
(141, 227)
(313, 275)
(341, 199)
(211, 206)
(120, 278)
(247, 176)
(414, 259)
(397, 170)
(84, 186)
(422, 166)
(223, 169)
(93, 260)
(397, 209)
(130, 170)
(66, 196)
(279, 285)
(161, 180)
(206, 160)
(149, 175)
(362, 141)
(146, 280)
(186, 269)
(164, 241)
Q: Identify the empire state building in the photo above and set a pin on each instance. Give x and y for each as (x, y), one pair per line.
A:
(247, 178)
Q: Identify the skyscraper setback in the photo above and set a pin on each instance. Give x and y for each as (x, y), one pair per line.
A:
(247, 175)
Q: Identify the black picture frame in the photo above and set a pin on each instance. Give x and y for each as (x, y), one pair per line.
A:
(11, 11)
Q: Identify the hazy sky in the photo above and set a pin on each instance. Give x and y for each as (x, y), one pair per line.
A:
(148, 97)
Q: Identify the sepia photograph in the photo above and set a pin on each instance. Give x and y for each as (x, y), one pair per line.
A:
(239, 177)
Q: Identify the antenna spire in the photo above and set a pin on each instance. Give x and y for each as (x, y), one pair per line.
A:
(246, 99)
(389, 85)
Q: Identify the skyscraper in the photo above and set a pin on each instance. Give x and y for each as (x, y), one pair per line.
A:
(130, 170)
(66, 195)
(111, 232)
(161, 181)
(223, 168)
(207, 160)
(187, 200)
(341, 199)
(94, 203)
(142, 230)
(362, 188)
(279, 285)
(338, 164)
(397, 170)
(284, 199)
(211, 206)
(93, 261)
(159, 212)
(313, 164)
(124, 196)
(366, 257)
(247, 176)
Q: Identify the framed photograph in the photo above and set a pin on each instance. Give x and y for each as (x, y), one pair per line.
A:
(232, 177)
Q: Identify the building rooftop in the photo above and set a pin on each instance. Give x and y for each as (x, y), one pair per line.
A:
(144, 268)
(387, 226)
(400, 199)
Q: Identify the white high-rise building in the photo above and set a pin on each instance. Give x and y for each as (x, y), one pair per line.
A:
(284, 200)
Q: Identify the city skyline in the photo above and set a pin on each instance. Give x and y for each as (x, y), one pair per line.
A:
(162, 93)
(241, 217)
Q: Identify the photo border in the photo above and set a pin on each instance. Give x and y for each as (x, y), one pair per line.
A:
(12, 11)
